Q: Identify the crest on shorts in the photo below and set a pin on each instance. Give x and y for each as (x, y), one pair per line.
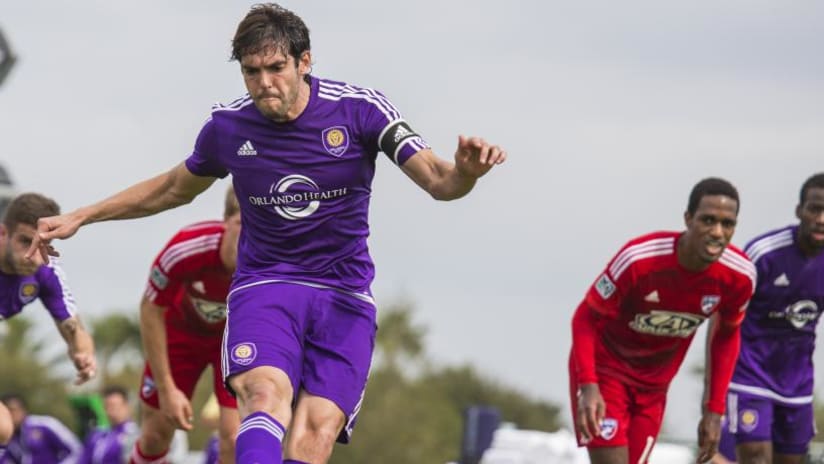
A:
(748, 420)
(244, 353)
(609, 427)
(335, 140)
(709, 302)
(28, 292)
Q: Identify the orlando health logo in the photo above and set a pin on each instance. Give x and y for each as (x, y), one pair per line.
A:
(296, 197)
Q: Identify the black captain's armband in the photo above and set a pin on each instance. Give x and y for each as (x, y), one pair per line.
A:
(394, 136)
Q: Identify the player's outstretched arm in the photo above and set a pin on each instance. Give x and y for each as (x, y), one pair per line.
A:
(81, 348)
(173, 402)
(709, 435)
(176, 187)
(443, 180)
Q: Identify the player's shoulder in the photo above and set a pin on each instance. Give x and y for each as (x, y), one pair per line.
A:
(198, 238)
(643, 249)
(736, 263)
(234, 106)
(770, 242)
(366, 98)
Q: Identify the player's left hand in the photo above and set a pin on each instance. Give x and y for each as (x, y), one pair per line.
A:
(86, 366)
(475, 157)
(709, 434)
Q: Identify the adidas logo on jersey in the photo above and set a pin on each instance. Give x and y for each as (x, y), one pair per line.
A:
(246, 150)
(652, 297)
(781, 281)
(401, 132)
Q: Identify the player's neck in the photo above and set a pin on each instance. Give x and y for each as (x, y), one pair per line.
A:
(688, 260)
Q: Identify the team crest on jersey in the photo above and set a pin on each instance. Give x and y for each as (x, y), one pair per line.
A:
(158, 278)
(709, 302)
(666, 323)
(335, 140)
(609, 427)
(244, 353)
(28, 292)
(604, 286)
(748, 420)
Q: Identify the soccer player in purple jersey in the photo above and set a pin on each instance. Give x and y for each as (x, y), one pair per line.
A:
(112, 445)
(37, 439)
(302, 152)
(770, 399)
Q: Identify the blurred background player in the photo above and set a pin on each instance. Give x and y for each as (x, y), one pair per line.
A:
(209, 418)
(38, 439)
(770, 404)
(112, 445)
(631, 332)
(182, 316)
(24, 280)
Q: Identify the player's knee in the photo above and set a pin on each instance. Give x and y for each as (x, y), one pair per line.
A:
(755, 453)
(263, 391)
(318, 429)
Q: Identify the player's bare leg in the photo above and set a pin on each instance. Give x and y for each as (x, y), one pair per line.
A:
(315, 427)
(156, 431)
(609, 455)
(264, 395)
(789, 458)
(754, 452)
(227, 430)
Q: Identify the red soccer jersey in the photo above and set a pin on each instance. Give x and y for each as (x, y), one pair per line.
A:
(649, 307)
(189, 279)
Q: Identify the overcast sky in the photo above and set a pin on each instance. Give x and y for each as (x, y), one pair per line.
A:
(610, 112)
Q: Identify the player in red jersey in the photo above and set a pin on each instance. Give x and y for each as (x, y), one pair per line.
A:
(182, 315)
(631, 332)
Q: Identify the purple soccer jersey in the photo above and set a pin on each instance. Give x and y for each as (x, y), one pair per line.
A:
(48, 284)
(778, 333)
(110, 446)
(42, 439)
(304, 185)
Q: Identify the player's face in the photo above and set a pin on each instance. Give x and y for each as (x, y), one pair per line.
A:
(709, 229)
(276, 82)
(811, 215)
(15, 245)
(230, 239)
(117, 408)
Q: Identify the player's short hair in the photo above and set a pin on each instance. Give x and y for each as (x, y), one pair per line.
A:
(270, 25)
(814, 181)
(230, 205)
(116, 390)
(7, 398)
(27, 208)
(712, 186)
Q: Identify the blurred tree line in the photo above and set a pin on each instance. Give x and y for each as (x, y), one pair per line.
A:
(413, 409)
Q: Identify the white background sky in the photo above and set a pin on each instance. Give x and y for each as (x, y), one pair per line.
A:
(610, 112)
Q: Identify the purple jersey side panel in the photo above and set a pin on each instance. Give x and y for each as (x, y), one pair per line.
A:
(304, 185)
(48, 283)
(778, 333)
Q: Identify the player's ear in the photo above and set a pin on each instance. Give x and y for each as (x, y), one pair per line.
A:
(4, 231)
(798, 211)
(305, 63)
(687, 218)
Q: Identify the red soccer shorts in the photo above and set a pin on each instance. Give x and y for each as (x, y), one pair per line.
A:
(189, 355)
(633, 416)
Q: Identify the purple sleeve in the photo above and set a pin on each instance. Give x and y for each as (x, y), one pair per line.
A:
(203, 160)
(386, 130)
(54, 291)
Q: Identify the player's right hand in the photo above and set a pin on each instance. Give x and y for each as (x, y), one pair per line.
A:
(591, 411)
(48, 228)
(177, 408)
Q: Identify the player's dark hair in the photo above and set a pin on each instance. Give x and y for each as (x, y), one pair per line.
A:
(231, 205)
(815, 181)
(7, 398)
(712, 186)
(270, 25)
(116, 390)
(27, 208)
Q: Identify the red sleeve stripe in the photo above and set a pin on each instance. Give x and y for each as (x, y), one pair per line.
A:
(739, 264)
(151, 293)
(648, 249)
(175, 253)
